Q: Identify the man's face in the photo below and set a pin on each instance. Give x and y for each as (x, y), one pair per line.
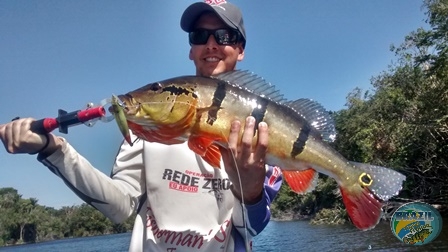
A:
(211, 58)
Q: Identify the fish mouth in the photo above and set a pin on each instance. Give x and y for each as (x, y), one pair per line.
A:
(116, 104)
(129, 105)
(124, 100)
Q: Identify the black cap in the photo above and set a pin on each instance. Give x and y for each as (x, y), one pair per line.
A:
(229, 14)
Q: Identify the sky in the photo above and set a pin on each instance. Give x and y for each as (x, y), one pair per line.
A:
(64, 54)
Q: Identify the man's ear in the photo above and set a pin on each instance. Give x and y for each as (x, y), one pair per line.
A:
(241, 54)
(190, 55)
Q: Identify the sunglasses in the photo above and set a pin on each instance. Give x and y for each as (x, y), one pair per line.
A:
(222, 36)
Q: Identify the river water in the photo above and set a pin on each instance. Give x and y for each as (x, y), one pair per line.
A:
(278, 236)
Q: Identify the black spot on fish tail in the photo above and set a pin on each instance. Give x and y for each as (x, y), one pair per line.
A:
(300, 142)
(178, 91)
(365, 179)
(259, 111)
(218, 97)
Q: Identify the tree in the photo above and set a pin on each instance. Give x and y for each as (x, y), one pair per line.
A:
(24, 220)
(404, 122)
(9, 199)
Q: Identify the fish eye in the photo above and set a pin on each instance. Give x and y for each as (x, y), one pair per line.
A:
(155, 87)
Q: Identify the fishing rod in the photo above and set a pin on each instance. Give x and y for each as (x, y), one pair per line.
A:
(64, 120)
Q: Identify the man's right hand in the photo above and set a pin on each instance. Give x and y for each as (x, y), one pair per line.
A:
(17, 137)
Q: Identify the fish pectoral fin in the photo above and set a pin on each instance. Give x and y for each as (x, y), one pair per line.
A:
(205, 148)
(199, 144)
(301, 181)
(213, 156)
(363, 207)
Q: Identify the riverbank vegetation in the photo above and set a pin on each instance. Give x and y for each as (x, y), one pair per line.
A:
(401, 123)
(24, 220)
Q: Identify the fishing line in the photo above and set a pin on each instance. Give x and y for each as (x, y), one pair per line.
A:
(243, 204)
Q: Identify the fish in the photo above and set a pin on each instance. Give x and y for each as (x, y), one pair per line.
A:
(419, 236)
(200, 110)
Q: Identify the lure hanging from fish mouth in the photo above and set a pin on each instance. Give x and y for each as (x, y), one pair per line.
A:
(117, 108)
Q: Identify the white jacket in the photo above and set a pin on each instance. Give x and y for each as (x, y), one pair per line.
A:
(183, 203)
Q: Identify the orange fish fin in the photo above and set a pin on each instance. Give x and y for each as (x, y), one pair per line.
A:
(199, 144)
(301, 181)
(205, 148)
(362, 206)
(213, 156)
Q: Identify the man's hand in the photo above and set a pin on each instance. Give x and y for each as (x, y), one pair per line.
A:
(18, 138)
(244, 163)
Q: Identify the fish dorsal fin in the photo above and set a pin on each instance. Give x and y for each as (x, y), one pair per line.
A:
(310, 110)
(252, 83)
(316, 115)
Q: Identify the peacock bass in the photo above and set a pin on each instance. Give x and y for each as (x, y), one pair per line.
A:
(200, 110)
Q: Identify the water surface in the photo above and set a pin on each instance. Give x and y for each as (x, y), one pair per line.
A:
(278, 236)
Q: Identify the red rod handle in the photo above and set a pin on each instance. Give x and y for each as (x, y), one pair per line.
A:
(65, 120)
(91, 113)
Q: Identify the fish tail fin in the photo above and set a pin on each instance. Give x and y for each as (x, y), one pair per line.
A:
(363, 201)
(363, 208)
(302, 181)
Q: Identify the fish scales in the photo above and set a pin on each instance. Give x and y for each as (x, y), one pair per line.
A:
(200, 110)
(237, 106)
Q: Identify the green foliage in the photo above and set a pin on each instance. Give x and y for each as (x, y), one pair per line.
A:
(335, 216)
(24, 221)
(434, 40)
(404, 123)
(306, 205)
(401, 123)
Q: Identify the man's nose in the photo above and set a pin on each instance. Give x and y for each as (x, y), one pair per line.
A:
(211, 42)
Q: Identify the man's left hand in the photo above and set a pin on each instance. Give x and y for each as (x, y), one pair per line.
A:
(244, 163)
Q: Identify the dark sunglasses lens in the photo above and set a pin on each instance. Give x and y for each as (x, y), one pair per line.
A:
(222, 36)
(226, 37)
(198, 37)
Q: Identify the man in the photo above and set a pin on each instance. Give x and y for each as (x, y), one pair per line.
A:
(183, 204)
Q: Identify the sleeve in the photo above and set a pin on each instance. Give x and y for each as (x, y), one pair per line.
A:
(254, 218)
(116, 196)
